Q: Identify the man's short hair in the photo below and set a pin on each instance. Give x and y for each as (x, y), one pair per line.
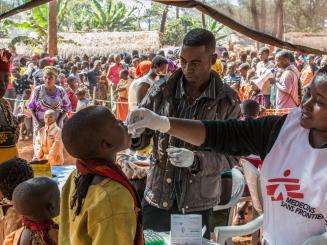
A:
(158, 61)
(244, 66)
(264, 50)
(200, 37)
(285, 54)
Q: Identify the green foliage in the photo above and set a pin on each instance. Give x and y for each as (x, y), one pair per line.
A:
(176, 29)
(36, 23)
(109, 15)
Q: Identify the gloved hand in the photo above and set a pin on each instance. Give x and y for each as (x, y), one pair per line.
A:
(180, 157)
(142, 118)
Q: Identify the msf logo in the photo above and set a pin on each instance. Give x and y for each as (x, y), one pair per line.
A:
(280, 188)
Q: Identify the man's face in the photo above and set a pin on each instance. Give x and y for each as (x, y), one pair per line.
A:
(117, 59)
(263, 56)
(231, 69)
(196, 63)
(311, 61)
(49, 118)
(314, 107)
(243, 72)
(162, 70)
(282, 62)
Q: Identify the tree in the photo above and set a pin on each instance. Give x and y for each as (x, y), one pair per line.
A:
(111, 16)
(263, 16)
(164, 19)
(279, 17)
(255, 16)
(36, 24)
(52, 28)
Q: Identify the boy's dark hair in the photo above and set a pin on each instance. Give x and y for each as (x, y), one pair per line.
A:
(83, 123)
(12, 173)
(250, 108)
(158, 61)
(200, 37)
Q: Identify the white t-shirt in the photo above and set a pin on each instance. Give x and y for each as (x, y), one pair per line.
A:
(294, 187)
(132, 96)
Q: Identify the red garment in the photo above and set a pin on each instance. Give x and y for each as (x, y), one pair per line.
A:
(41, 228)
(73, 99)
(113, 73)
(114, 173)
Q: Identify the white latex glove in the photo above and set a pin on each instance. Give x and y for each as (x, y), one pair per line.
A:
(180, 157)
(142, 118)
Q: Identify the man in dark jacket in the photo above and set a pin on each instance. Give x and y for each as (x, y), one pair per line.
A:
(183, 178)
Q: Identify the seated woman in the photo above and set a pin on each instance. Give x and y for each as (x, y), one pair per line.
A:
(294, 152)
(98, 204)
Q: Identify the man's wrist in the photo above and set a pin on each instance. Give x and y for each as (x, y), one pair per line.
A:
(165, 127)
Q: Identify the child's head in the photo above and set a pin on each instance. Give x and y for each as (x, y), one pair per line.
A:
(243, 69)
(37, 199)
(80, 93)
(250, 109)
(12, 173)
(72, 83)
(100, 135)
(49, 117)
(123, 74)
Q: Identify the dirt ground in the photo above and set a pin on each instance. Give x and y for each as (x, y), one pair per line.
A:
(25, 149)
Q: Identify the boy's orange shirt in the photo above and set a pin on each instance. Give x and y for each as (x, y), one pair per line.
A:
(123, 87)
(10, 221)
(14, 237)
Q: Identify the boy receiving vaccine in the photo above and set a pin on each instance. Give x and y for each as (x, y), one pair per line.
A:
(98, 204)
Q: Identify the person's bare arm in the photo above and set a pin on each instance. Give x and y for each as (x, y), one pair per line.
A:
(142, 89)
(191, 131)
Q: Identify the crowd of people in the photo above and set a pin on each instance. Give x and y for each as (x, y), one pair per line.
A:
(77, 106)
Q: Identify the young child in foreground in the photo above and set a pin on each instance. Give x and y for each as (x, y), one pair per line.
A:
(12, 173)
(98, 204)
(37, 200)
(48, 144)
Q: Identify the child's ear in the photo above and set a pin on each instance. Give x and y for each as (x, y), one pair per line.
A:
(51, 210)
(107, 146)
